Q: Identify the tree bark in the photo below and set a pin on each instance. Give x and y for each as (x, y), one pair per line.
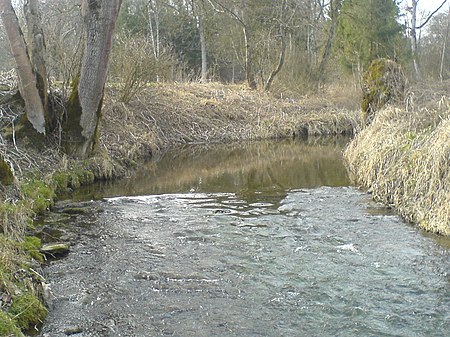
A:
(37, 49)
(85, 103)
(27, 80)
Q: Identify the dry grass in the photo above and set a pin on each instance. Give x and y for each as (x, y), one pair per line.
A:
(168, 114)
(403, 157)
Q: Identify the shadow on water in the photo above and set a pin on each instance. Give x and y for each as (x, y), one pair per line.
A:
(268, 167)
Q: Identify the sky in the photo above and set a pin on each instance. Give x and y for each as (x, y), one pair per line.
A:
(429, 6)
(425, 8)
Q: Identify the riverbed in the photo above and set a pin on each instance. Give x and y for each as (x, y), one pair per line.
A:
(246, 239)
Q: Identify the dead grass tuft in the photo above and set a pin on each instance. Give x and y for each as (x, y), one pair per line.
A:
(403, 158)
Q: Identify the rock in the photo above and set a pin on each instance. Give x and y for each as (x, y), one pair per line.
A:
(55, 249)
(74, 210)
(72, 330)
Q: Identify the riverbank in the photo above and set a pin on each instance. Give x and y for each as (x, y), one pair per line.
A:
(162, 116)
(403, 158)
(168, 114)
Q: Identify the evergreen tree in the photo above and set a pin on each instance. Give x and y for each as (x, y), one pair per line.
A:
(369, 29)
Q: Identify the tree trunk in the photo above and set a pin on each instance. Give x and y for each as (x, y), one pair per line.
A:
(335, 7)
(444, 48)
(280, 63)
(198, 11)
(249, 75)
(153, 15)
(37, 49)
(201, 29)
(413, 35)
(85, 103)
(282, 29)
(27, 80)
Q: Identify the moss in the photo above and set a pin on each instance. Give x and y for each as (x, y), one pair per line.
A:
(41, 195)
(6, 175)
(384, 82)
(32, 245)
(8, 326)
(74, 182)
(61, 181)
(72, 127)
(74, 210)
(75, 143)
(73, 179)
(85, 177)
(27, 311)
(24, 310)
(28, 136)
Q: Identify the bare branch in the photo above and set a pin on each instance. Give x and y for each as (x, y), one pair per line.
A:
(431, 15)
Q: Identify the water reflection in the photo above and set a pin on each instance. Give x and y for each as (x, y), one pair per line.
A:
(248, 169)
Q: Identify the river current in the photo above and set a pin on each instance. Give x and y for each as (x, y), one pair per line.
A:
(257, 239)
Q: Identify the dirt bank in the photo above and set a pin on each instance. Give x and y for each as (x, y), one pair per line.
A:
(403, 158)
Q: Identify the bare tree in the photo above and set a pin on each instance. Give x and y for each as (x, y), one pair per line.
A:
(413, 27)
(333, 13)
(27, 81)
(281, 34)
(240, 14)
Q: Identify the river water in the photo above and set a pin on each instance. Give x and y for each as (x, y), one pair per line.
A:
(257, 239)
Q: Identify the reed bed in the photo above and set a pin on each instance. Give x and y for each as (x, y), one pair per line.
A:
(403, 158)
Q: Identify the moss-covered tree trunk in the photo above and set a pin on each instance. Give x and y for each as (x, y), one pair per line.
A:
(27, 80)
(383, 83)
(85, 103)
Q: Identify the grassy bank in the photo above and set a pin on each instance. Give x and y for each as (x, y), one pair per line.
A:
(403, 158)
(162, 116)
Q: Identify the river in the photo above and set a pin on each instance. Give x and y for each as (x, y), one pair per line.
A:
(247, 239)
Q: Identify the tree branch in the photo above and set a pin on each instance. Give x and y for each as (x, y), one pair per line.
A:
(431, 15)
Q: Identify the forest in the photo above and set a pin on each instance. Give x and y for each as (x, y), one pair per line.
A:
(283, 46)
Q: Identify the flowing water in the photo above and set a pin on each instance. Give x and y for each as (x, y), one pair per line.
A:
(257, 239)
